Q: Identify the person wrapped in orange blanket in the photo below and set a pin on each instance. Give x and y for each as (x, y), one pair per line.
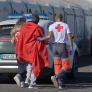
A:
(32, 50)
(19, 78)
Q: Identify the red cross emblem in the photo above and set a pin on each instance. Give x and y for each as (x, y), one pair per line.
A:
(59, 27)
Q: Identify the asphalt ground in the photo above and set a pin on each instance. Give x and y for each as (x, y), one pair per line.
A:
(82, 82)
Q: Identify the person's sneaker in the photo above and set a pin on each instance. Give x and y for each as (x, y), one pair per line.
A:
(22, 84)
(17, 80)
(27, 82)
(53, 79)
(33, 86)
(60, 84)
(30, 86)
(60, 87)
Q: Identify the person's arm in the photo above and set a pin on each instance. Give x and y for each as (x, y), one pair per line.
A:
(69, 34)
(12, 40)
(47, 37)
(70, 40)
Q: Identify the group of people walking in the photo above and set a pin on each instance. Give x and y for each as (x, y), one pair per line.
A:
(31, 51)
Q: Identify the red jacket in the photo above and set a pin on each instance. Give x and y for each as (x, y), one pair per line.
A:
(31, 50)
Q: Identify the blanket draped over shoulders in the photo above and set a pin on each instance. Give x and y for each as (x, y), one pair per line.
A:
(31, 50)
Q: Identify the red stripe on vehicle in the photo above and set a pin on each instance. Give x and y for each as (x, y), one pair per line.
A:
(4, 39)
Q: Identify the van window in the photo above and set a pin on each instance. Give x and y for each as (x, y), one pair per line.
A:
(5, 29)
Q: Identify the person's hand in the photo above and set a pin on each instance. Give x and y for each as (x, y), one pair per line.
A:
(71, 51)
(12, 40)
(38, 38)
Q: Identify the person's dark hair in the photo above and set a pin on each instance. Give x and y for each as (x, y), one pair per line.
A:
(20, 21)
(59, 16)
(35, 18)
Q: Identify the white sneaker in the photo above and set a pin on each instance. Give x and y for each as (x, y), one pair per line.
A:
(17, 80)
(30, 86)
(33, 86)
(27, 81)
(60, 87)
(60, 84)
(22, 84)
(53, 79)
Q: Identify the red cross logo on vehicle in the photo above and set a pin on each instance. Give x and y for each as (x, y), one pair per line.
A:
(59, 27)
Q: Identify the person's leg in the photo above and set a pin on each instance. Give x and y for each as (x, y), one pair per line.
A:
(62, 74)
(57, 68)
(17, 77)
(57, 63)
(32, 81)
(23, 72)
(54, 81)
(20, 77)
(65, 66)
(28, 75)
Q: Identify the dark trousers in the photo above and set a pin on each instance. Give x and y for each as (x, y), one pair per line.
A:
(22, 69)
